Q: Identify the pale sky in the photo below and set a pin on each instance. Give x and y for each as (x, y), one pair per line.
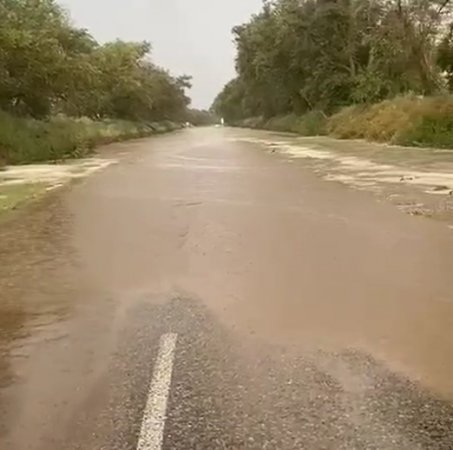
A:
(188, 36)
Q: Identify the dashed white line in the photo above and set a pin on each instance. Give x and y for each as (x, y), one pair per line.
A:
(153, 424)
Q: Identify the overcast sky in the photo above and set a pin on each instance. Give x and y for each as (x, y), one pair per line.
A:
(188, 36)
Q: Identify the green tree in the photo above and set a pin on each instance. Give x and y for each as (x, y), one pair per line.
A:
(48, 66)
(299, 55)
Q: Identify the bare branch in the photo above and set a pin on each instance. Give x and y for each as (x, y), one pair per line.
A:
(442, 6)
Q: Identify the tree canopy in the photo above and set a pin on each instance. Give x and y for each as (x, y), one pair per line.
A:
(47, 65)
(298, 55)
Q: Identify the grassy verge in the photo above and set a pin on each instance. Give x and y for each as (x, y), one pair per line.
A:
(25, 141)
(14, 196)
(407, 121)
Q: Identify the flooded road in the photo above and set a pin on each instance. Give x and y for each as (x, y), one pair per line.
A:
(302, 312)
(418, 181)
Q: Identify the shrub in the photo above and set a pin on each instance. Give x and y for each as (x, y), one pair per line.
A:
(282, 123)
(28, 140)
(24, 140)
(312, 123)
(407, 120)
(253, 122)
(347, 123)
(434, 126)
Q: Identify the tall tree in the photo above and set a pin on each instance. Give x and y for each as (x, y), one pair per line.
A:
(47, 66)
(297, 55)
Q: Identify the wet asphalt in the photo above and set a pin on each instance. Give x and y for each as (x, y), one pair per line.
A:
(308, 315)
(232, 393)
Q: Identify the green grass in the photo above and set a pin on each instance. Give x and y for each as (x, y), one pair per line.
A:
(24, 140)
(433, 128)
(13, 196)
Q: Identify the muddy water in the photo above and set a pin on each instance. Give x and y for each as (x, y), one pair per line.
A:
(418, 181)
(270, 247)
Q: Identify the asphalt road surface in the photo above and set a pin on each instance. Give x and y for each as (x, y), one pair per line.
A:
(205, 294)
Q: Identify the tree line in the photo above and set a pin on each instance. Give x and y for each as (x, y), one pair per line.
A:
(49, 66)
(296, 56)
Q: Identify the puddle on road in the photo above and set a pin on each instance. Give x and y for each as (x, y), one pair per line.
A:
(418, 181)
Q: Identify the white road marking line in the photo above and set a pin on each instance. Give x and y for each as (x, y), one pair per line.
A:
(152, 431)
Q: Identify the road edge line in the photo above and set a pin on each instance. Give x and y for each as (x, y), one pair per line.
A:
(154, 415)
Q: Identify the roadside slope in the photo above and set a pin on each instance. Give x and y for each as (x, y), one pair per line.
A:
(408, 121)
